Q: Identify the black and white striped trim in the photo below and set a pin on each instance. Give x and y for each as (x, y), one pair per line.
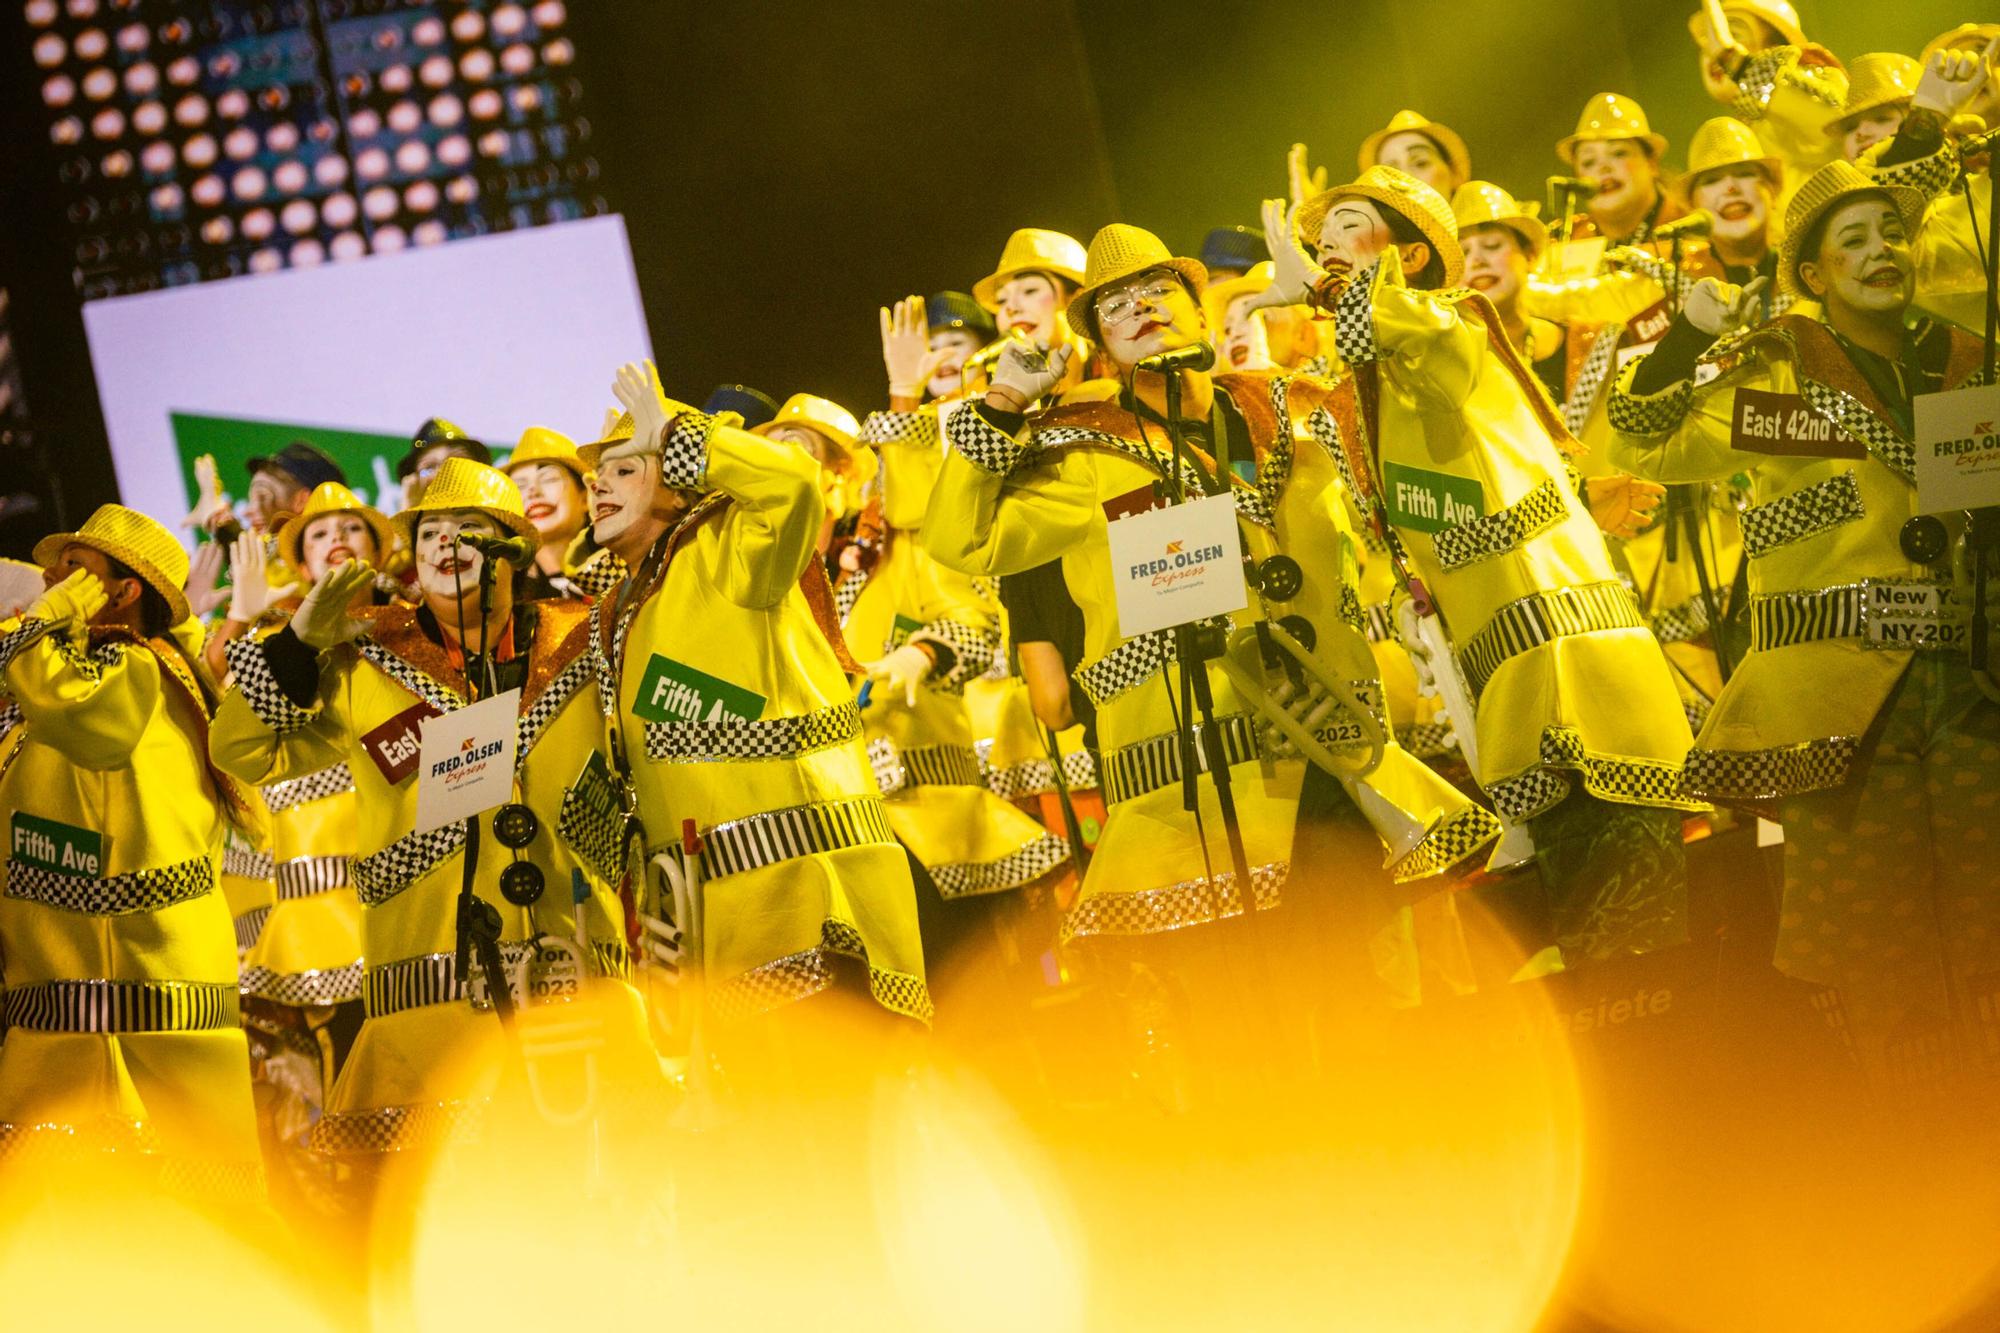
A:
(1378, 622)
(736, 739)
(412, 983)
(310, 876)
(783, 835)
(1133, 770)
(982, 444)
(972, 649)
(1503, 530)
(281, 796)
(1806, 512)
(1541, 617)
(1780, 619)
(245, 863)
(114, 895)
(380, 876)
(917, 429)
(332, 985)
(250, 672)
(900, 770)
(971, 878)
(16, 640)
(121, 1006)
(249, 926)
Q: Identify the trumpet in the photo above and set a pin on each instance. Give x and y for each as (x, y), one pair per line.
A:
(981, 361)
(1247, 654)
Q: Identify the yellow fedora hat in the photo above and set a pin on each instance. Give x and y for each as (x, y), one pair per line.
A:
(1118, 251)
(1425, 208)
(135, 541)
(463, 484)
(1482, 203)
(1822, 192)
(1609, 116)
(1880, 78)
(1727, 142)
(1215, 297)
(539, 444)
(834, 423)
(1411, 122)
(330, 497)
(1031, 250)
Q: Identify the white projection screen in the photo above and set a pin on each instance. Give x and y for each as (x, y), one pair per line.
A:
(495, 333)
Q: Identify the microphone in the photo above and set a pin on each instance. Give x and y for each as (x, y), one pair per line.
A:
(1573, 185)
(1195, 356)
(1698, 223)
(517, 550)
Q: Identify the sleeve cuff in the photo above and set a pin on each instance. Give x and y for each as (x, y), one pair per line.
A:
(1673, 360)
(684, 450)
(15, 640)
(969, 649)
(912, 428)
(1635, 412)
(985, 437)
(1757, 80)
(1354, 320)
(268, 673)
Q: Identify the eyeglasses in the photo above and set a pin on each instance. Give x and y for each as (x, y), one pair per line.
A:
(1119, 308)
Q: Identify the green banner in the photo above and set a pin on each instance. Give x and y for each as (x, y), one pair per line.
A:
(236, 440)
(1430, 501)
(673, 691)
(49, 844)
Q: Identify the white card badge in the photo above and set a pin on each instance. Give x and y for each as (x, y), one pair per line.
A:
(466, 763)
(1177, 564)
(1958, 449)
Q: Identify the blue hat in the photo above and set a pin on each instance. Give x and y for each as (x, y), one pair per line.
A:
(754, 405)
(956, 310)
(302, 463)
(1238, 248)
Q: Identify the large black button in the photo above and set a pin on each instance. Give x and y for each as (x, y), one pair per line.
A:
(515, 826)
(521, 883)
(1923, 539)
(1301, 629)
(1280, 578)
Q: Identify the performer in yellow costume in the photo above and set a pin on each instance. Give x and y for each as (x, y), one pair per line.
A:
(120, 1002)
(555, 494)
(1772, 78)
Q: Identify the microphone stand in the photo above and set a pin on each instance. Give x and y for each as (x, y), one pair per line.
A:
(1194, 645)
(479, 924)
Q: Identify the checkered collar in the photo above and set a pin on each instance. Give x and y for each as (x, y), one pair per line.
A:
(554, 634)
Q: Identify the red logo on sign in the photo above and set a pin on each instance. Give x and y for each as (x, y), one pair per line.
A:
(393, 746)
(1132, 502)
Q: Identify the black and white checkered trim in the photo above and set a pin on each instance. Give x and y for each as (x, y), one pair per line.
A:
(251, 674)
(848, 591)
(1627, 781)
(114, 895)
(1806, 512)
(684, 450)
(426, 687)
(331, 985)
(397, 1128)
(15, 640)
(1427, 740)
(971, 878)
(310, 876)
(1191, 902)
(899, 770)
(427, 979)
(598, 575)
(1758, 81)
(1354, 319)
(1930, 175)
(121, 1006)
(1449, 841)
(1033, 777)
(1524, 796)
(918, 429)
(1681, 624)
(596, 836)
(543, 708)
(1874, 434)
(783, 835)
(247, 863)
(281, 796)
(737, 739)
(804, 974)
(1766, 775)
(972, 650)
(1147, 765)
(982, 445)
(1591, 378)
(1503, 530)
(1649, 414)
(1132, 663)
(380, 876)
(1253, 503)
(1540, 617)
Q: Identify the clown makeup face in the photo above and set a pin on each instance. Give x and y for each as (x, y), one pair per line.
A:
(1418, 155)
(1031, 303)
(444, 568)
(1871, 127)
(271, 493)
(621, 494)
(1146, 314)
(1496, 263)
(1863, 261)
(331, 540)
(1625, 174)
(554, 500)
(1353, 235)
(956, 344)
(1246, 341)
(1739, 197)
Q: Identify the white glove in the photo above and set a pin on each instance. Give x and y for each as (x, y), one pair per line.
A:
(250, 590)
(204, 574)
(1952, 79)
(1294, 274)
(903, 670)
(906, 348)
(1409, 628)
(1304, 184)
(1717, 307)
(322, 619)
(1025, 373)
(209, 502)
(637, 387)
(71, 603)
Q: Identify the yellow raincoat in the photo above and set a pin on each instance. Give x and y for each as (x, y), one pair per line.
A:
(120, 1001)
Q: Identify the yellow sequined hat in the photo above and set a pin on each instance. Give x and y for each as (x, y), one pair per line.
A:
(620, 433)
(1411, 122)
(1424, 207)
(135, 541)
(330, 497)
(1610, 116)
(1782, 17)
(835, 424)
(1118, 251)
(1823, 191)
(1482, 203)
(1880, 78)
(539, 444)
(1215, 298)
(1727, 142)
(1031, 250)
(463, 484)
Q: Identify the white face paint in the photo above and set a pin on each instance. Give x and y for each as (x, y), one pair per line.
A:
(1029, 302)
(1353, 235)
(621, 494)
(1416, 154)
(1739, 199)
(1495, 262)
(444, 567)
(1623, 171)
(1864, 260)
(957, 345)
(331, 540)
(553, 498)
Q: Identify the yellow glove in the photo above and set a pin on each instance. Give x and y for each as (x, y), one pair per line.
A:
(322, 619)
(71, 603)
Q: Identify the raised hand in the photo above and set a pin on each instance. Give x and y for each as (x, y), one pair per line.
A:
(1024, 373)
(203, 589)
(209, 501)
(1304, 184)
(1717, 307)
(250, 590)
(1952, 79)
(323, 619)
(1294, 274)
(637, 388)
(906, 347)
(72, 603)
(1623, 506)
